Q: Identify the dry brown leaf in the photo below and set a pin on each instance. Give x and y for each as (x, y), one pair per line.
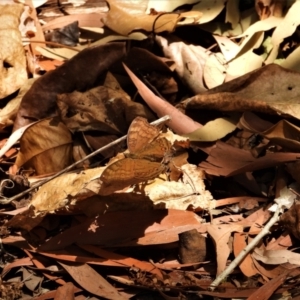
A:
(46, 141)
(267, 8)
(13, 72)
(267, 271)
(283, 242)
(91, 281)
(179, 122)
(268, 289)
(34, 32)
(190, 193)
(105, 108)
(127, 261)
(220, 235)
(65, 292)
(246, 266)
(114, 229)
(277, 95)
(284, 134)
(209, 9)
(242, 201)
(250, 220)
(65, 79)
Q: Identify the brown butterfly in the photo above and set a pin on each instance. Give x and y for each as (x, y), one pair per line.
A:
(143, 162)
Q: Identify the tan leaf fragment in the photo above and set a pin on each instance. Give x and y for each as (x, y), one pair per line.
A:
(190, 61)
(13, 72)
(190, 193)
(276, 257)
(66, 190)
(9, 112)
(134, 18)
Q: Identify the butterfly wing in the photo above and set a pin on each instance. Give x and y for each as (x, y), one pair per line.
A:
(140, 133)
(154, 151)
(126, 172)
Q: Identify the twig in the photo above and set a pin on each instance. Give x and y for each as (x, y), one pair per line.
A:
(69, 168)
(247, 249)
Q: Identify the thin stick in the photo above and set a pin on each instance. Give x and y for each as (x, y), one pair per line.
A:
(69, 168)
(246, 250)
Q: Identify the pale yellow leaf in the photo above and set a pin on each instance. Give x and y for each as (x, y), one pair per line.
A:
(213, 130)
(253, 35)
(232, 13)
(210, 9)
(240, 65)
(284, 29)
(214, 70)
(292, 62)
(167, 5)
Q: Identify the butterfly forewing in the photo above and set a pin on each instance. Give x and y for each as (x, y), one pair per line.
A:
(140, 134)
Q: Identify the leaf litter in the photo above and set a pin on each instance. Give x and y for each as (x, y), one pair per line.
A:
(204, 203)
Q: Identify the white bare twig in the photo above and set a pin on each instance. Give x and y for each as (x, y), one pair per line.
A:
(247, 249)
